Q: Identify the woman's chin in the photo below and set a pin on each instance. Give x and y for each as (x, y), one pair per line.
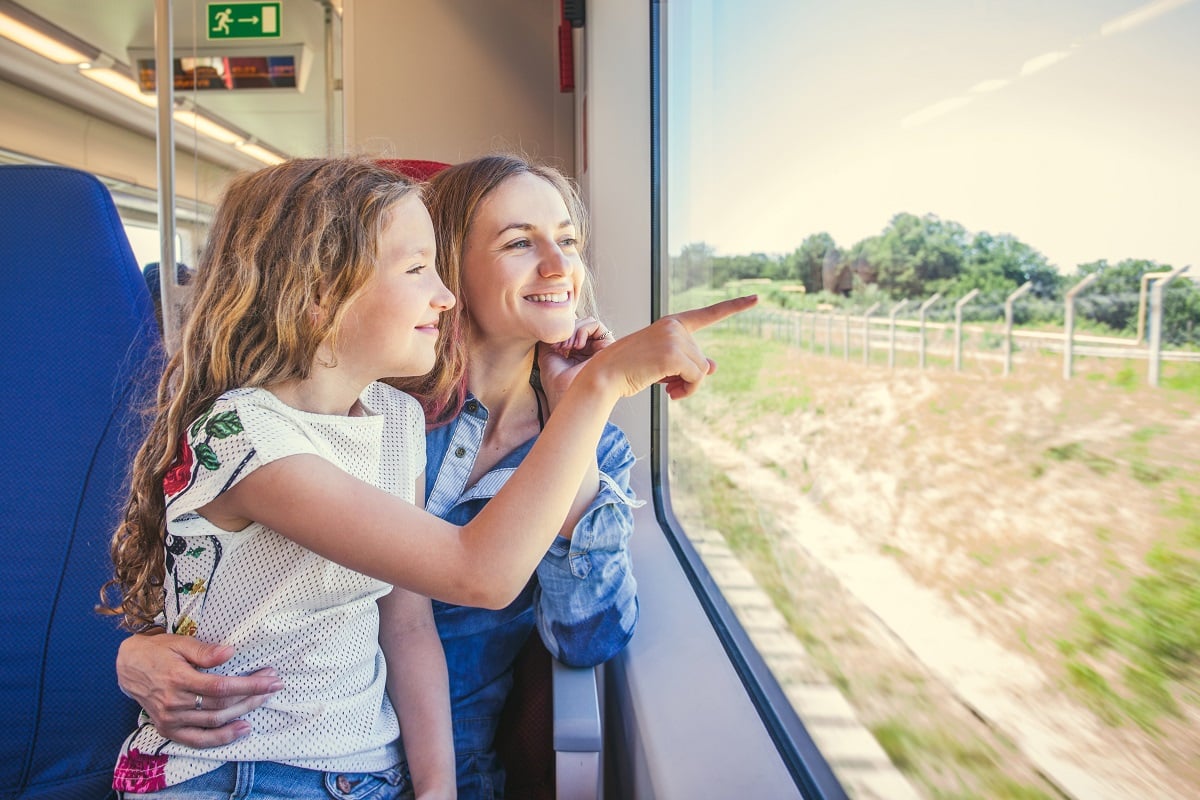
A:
(556, 336)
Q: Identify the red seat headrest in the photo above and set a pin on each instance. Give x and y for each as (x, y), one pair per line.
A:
(415, 168)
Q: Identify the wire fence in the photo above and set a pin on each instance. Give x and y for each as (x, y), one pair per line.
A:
(924, 335)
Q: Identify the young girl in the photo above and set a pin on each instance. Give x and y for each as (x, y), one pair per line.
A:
(271, 502)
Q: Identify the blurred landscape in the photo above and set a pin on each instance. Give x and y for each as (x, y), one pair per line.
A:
(1060, 520)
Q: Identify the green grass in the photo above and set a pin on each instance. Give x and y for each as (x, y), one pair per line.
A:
(746, 374)
(1150, 637)
(1148, 474)
(910, 747)
(1142, 435)
(1074, 451)
(1126, 377)
(1183, 377)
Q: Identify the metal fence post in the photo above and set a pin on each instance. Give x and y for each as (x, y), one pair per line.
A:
(1008, 324)
(846, 336)
(867, 332)
(958, 314)
(1156, 321)
(1069, 324)
(892, 332)
(1143, 291)
(922, 310)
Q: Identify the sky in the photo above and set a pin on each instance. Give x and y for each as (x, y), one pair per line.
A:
(1073, 125)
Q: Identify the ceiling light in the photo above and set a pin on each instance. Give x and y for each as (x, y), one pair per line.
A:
(203, 125)
(261, 153)
(20, 28)
(119, 82)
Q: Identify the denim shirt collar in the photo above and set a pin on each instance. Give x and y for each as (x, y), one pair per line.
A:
(450, 452)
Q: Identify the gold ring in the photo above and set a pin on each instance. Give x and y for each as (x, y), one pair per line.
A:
(608, 335)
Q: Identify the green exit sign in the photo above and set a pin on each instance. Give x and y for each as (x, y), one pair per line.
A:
(243, 20)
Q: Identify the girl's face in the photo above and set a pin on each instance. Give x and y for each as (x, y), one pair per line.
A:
(521, 267)
(391, 326)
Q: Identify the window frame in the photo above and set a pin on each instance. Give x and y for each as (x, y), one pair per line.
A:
(801, 755)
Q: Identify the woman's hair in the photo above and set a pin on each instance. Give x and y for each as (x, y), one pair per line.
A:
(453, 196)
(289, 247)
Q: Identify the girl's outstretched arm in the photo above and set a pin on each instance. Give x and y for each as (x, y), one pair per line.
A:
(486, 562)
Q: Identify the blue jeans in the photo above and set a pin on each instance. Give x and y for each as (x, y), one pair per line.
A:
(266, 780)
(480, 776)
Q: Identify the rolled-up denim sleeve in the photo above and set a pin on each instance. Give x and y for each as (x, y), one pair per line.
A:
(586, 603)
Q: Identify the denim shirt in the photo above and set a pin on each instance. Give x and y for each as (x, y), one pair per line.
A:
(582, 598)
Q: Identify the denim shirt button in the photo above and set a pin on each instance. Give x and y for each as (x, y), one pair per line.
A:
(460, 451)
(344, 784)
(472, 406)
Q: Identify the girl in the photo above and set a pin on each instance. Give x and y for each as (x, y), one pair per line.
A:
(272, 497)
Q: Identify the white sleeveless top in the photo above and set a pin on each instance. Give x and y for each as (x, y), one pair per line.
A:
(277, 603)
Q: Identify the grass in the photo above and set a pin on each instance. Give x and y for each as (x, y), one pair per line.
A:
(721, 506)
(976, 765)
(1182, 377)
(1074, 451)
(745, 374)
(1130, 657)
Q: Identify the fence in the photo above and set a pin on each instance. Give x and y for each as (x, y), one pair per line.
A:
(863, 332)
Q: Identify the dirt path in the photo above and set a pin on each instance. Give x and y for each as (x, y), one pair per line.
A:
(1067, 745)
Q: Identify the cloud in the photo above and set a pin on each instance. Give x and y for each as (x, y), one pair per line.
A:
(989, 86)
(1140, 16)
(1125, 22)
(1039, 63)
(934, 111)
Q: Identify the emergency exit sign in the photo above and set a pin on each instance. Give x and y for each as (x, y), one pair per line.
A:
(243, 20)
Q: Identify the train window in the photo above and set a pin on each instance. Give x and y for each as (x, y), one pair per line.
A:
(947, 475)
(145, 243)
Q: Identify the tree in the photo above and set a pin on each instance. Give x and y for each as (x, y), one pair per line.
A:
(692, 267)
(1181, 312)
(914, 252)
(1112, 299)
(1003, 263)
(807, 259)
(732, 268)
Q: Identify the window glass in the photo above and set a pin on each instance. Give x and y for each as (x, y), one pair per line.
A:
(948, 471)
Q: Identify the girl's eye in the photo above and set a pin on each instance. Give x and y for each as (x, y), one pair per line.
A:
(416, 270)
(568, 241)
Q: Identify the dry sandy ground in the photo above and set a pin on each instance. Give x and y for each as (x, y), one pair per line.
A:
(1005, 506)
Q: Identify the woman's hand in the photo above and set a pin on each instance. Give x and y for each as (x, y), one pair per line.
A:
(559, 363)
(162, 673)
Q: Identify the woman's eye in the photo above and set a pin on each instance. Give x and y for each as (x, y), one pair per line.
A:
(416, 270)
(568, 241)
(517, 244)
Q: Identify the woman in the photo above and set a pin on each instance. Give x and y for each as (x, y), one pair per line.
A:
(510, 240)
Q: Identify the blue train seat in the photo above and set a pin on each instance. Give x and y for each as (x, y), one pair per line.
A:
(81, 359)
